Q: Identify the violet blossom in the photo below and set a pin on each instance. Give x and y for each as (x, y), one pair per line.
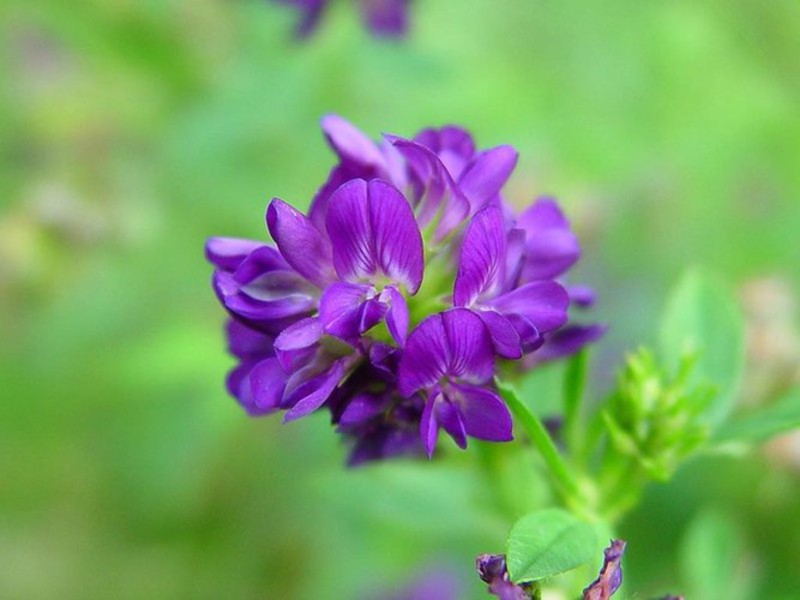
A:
(383, 18)
(390, 302)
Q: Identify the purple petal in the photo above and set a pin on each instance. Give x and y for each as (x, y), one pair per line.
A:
(372, 312)
(261, 260)
(362, 408)
(454, 343)
(267, 382)
(582, 295)
(228, 253)
(515, 251)
(339, 175)
(341, 309)
(470, 347)
(440, 196)
(300, 243)
(551, 247)
(384, 358)
(529, 337)
(481, 265)
(450, 138)
(484, 414)
(429, 427)
(398, 241)
(248, 302)
(505, 337)
(397, 318)
(244, 342)
(453, 145)
(312, 393)
(447, 415)
(487, 175)
(383, 442)
(386, 17)
(543, 303)
(426, 357)
(543, 214)
(395, 169)
(237, 383)
(568, 341)
(350, 143)
(263, 288)
(277, 294)
(350, 231)
(295, 339)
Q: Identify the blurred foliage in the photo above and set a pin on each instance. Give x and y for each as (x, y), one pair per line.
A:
(132, 130)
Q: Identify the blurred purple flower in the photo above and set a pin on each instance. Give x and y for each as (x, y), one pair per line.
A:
(384, 18)
(437, 584)
(492, 570)
(389, 302)
(610, 577)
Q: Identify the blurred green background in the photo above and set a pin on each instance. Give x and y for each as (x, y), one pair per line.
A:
(131, 130)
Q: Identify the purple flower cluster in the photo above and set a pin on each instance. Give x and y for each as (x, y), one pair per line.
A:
(392, 300)
(384, 18)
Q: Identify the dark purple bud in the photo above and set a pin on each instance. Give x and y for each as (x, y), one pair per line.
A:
(492, 570)
(610, 577)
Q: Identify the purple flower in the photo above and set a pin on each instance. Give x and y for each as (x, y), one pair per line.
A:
(377, 252)
(492, 570)
(257, 285)
(389, 302)
(550, 247)
(384, 18)
(449, 359)
(610, 577)
(487, 280)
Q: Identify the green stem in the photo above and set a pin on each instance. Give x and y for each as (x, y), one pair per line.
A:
(565, 478)
(574, 390)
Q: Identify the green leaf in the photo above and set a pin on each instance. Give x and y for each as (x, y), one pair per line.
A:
(763, 424)
(702, 319)
(548, 542)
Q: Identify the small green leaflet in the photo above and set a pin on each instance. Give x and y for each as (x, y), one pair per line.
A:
(763, 424)
(546, 543)
(701, 317)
